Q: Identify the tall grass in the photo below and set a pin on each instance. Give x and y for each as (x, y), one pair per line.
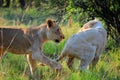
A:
(108, 68)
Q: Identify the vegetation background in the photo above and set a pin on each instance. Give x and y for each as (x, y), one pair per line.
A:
(70, 15)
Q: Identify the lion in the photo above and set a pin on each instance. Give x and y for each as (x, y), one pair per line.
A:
(29, 41)
(86, 45)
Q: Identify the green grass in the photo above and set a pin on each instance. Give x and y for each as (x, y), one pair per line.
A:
(108, 68)
(13, 67)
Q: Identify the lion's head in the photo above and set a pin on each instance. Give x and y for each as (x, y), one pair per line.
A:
(54, 31)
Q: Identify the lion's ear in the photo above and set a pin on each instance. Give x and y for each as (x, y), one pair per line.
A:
(50, 23)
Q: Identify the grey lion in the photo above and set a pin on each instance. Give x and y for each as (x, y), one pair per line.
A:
(86, 45)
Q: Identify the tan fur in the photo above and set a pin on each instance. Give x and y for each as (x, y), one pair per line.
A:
(29, 41)
(86, 45)
(89, 24)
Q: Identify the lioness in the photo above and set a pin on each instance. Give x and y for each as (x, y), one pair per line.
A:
(29, 41)
(86, 45)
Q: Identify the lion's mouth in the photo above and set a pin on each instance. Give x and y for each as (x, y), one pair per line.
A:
(57, 41)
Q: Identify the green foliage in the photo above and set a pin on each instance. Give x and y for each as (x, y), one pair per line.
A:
(108, 10)
(75, 13)
(12, 67)
(30, 16)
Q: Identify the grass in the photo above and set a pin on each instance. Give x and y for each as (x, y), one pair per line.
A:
(108, 68)
(13, 66)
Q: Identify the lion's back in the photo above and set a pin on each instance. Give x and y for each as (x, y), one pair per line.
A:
(13, 39)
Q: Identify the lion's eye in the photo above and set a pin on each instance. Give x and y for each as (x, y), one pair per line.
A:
(57, 31)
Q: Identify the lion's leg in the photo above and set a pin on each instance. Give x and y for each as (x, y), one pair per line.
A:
(37, 55)
(94, 62)
(96, 58)
(84, 63)
(60, 57)
(87, 57)
(70, 61)
(2, 53)
(86, 60)
(32, 63)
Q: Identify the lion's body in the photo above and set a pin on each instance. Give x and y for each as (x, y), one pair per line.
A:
(86, 45)
(29, 41)
(14, 40)
(81, 42)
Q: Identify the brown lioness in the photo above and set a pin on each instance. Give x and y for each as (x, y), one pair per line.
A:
(30, 41)
(86, 45)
